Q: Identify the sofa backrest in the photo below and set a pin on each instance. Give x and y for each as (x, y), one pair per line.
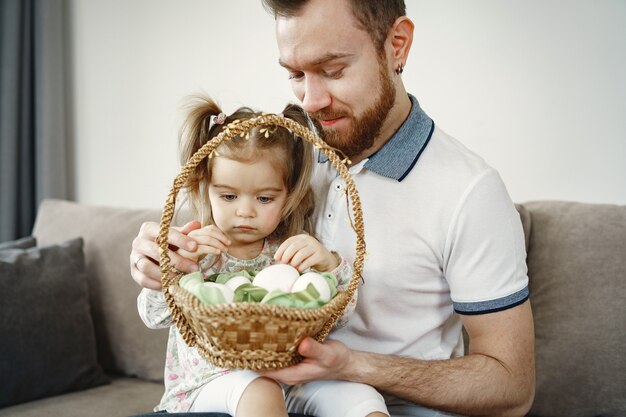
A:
(125, 344)
(577, 270)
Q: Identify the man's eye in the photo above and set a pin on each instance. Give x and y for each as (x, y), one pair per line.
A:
(334, 74)
(296, 75)
(265, 200)
(229, 197)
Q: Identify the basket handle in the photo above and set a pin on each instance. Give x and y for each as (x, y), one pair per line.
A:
(170, 275)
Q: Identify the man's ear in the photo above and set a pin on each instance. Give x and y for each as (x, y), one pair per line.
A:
(401, 38)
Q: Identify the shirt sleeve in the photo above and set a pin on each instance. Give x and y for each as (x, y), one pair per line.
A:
(343, 272)
(485, 255)
(153, 309)
(209, 265)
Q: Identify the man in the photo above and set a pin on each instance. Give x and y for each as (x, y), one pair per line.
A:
(444, 243)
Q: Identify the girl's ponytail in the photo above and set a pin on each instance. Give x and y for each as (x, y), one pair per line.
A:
(195, 132)
(298, 211)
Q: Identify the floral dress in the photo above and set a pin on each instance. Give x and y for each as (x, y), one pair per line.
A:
(186, 371)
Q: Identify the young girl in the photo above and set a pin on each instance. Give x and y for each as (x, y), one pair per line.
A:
(254, 198)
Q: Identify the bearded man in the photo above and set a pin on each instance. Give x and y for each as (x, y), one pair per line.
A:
(445, 246)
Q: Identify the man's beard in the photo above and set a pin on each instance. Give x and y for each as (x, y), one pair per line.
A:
(364, 129)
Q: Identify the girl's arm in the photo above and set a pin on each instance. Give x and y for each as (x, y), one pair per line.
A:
(153, 309)
(343, 272)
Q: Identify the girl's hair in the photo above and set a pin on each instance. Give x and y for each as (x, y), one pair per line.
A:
(290, 154)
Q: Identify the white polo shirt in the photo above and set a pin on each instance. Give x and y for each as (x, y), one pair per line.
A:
(442, 238)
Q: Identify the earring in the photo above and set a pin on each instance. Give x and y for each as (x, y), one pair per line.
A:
(400, 68)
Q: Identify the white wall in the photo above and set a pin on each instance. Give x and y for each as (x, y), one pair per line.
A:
(537, 87)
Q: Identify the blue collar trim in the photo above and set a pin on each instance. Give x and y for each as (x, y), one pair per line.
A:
(400, 154)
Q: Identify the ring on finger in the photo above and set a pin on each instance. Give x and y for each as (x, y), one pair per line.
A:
(136, 262)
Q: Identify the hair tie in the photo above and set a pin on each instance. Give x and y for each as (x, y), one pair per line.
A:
(219, 119)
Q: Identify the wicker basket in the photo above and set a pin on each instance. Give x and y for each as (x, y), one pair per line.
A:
(253, 335)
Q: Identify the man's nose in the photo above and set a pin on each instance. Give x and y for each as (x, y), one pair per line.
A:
(316, 95)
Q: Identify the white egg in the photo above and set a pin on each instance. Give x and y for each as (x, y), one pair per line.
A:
(318, 281)
(236, 282)
(228, 293)
(277, 277)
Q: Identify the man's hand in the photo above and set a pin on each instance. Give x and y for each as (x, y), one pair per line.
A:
(144, 256)
(496, 377)
(321, 361)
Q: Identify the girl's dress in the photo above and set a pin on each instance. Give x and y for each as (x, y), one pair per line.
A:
(186, 371)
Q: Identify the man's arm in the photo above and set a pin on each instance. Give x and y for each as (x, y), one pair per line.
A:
(495, 378)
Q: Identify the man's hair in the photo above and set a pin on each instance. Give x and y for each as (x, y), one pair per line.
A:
(375, 16)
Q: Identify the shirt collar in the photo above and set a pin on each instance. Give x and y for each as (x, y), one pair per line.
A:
(398, 156)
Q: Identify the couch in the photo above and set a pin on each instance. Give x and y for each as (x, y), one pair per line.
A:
(577, 270)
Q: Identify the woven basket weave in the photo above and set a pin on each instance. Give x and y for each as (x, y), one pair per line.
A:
(253, 335)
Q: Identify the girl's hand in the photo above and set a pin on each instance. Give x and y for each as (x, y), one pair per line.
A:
(211, 241)
(303, 252)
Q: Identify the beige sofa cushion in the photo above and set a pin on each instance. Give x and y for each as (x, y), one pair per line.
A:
(123, 397)
(125, 345)
(577, 270)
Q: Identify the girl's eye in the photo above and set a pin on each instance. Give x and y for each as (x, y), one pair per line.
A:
(229, 197)
(265, 200)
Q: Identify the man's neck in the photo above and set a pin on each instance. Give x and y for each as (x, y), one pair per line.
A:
(397, 115)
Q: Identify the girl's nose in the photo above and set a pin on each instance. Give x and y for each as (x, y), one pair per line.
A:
(245, 209)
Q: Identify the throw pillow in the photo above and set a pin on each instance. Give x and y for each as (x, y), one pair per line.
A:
(23, 243)
(47, 342)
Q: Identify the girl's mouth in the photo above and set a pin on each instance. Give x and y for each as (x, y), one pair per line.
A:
(244, 227)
